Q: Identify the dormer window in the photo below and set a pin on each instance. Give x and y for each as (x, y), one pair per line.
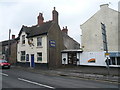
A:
(23, 39)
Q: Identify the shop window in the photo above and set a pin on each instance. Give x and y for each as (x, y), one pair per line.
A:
(113, 62)
(118, 60)
(39, 56)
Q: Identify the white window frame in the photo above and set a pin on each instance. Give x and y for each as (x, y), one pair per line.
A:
(21, 56)
(23, 39)
(39, 56)
(39, 43)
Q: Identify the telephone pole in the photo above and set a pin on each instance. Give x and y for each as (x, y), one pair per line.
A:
(9, 46)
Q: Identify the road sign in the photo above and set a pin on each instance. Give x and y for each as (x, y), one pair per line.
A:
(107, 54)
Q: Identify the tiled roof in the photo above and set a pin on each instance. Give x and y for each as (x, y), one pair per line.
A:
(4, 43)
(37, 30)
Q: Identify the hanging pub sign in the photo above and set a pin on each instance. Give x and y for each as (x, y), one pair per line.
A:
(52, 43)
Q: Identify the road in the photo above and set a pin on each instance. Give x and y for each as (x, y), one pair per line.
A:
(18, 78)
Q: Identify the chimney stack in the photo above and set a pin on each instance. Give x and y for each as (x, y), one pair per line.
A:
(55, 16)
(104, 6)
(13, 36)
(40, 19)
(65, 30)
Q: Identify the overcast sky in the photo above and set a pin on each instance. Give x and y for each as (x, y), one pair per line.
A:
(72, 13)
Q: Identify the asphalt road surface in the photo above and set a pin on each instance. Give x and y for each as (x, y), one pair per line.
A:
(18, 78)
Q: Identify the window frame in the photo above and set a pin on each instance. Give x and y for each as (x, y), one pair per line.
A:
(118, 61)
(39, 41)
(39, 56)
(23, 56)
(104, 37)
(27, 57)
(115, 59)
(23, 39)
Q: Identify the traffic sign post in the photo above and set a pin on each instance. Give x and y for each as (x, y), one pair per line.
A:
(108, 63)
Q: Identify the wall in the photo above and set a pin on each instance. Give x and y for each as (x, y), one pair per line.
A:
(92, 35)
(13, 55)
(33, 49)
(13, 50)
(78, 57)
(91, 31)
(55, 55)
(98, 56)
(65, 55)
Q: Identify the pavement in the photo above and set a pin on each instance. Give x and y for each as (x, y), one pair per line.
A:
(83, 72)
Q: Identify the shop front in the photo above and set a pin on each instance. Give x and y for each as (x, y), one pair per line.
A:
(71, 57)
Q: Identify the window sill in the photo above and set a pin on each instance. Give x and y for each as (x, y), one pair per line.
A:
(23, 61)
(39, 62)
(23, 45)
(39, 47)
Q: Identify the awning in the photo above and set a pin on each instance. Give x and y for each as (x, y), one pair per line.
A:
(72, 50)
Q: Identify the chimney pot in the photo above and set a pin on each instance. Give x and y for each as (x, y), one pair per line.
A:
(40, 14)
(66, 27)
(54, 8)
(65, 30)
(13, 36)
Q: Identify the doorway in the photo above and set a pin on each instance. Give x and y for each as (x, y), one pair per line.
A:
(72, 58)
(32, 60)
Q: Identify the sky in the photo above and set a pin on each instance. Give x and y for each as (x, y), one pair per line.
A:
(72, 13)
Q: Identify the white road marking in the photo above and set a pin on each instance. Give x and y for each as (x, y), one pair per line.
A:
(36, 83)
(4, 74)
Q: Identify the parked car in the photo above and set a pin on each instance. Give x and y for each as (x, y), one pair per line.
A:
(4, 64)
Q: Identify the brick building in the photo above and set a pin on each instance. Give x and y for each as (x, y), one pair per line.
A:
(9, 50)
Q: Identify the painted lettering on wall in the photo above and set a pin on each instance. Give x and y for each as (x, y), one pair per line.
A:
(92, 60)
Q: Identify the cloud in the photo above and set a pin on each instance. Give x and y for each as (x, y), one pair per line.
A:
(72, 13)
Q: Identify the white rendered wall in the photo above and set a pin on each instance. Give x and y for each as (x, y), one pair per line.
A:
(33, 49)
(99, 57)
(64, 55)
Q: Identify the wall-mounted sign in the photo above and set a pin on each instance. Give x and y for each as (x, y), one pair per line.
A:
(52, 43)
(114, 54)
(30, 42)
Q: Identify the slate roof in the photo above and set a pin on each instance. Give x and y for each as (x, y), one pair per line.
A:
(37, 30)
(5, 43)
(70, 38)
